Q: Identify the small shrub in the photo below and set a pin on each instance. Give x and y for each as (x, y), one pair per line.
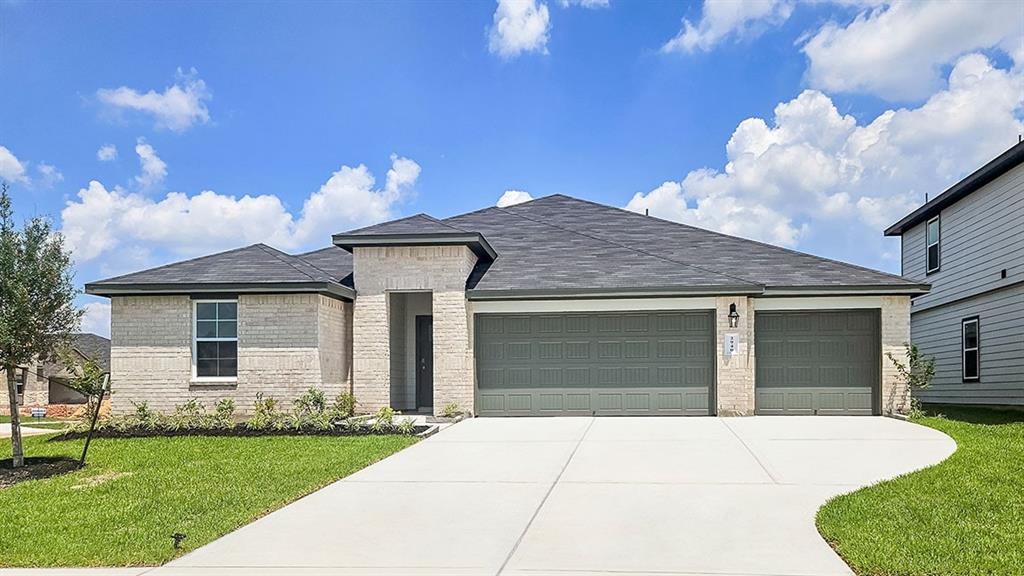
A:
(450, 410)
(384, 420)
(188, 416)
(916, 374)
(407, 426)
(344, 405)
(265, 415)
(224, 414)
(312, 401)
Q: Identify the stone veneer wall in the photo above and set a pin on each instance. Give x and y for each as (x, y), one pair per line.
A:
(286, 344)
(735, 376)
(443, 271)
(895, 333)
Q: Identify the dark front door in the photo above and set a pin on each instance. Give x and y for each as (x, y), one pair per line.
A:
(425, 361)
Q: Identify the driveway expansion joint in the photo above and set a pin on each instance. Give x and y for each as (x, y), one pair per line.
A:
(551, 488)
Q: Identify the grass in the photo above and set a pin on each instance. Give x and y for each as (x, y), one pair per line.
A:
(963, 516)
(29, 422)
(134, 493)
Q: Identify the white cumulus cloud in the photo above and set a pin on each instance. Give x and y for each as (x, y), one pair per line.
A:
(519, 26)
(512, 197)
(118, 224)
(816, 177)
(49, 176)
(107, 153)
(177, 108)
(11, 169)
(721, 19)
(153, 169)
(585, 3)
(897, 51)
(96, 319)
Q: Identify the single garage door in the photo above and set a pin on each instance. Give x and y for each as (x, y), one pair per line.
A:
(820, 362)
(595, 363)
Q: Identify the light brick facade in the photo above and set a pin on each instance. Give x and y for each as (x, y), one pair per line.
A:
(895, 334)
(442, 270)
(286, 344)
(735, 376)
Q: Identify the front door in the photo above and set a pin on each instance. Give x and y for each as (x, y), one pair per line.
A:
(425, 361)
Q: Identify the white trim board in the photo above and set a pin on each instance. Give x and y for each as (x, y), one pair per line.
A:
(817, 303)
(592, 305)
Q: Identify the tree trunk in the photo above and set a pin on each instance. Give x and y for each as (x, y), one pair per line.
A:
(18, 457)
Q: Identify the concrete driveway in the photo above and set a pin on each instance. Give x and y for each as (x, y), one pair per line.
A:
(579, 496)
(5, 430)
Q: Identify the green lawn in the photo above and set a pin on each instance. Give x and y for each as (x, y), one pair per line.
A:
(36, 422)
(963, 516)
(123, 507)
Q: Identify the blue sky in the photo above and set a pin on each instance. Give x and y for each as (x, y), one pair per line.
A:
(806, 126)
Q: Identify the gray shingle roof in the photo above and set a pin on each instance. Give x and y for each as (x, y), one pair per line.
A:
(243, 269)
(334, 260)
(415, 224)
(93, 346)
(714, 253)
(552, 244)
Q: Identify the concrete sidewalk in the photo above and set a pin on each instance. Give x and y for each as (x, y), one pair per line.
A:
(5, 430)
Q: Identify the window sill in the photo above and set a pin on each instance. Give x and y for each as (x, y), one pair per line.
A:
(213, 382)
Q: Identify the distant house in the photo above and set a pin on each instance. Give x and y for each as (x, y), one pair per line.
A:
(968, 243)
(44, 384)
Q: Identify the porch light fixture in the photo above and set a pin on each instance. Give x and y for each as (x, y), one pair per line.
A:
(734, 316)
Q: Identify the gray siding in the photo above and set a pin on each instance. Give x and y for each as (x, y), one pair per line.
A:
(1001, 321)
(980, 235)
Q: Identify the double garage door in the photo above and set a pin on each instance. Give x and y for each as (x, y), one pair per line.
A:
(663, 363)
(658, 363)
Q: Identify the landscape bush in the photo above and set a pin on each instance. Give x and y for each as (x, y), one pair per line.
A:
(311, 413)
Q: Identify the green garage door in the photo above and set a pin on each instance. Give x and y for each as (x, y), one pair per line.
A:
(595, 363)
(821, 362)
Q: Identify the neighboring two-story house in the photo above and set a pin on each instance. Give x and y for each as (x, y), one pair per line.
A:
(968, 243)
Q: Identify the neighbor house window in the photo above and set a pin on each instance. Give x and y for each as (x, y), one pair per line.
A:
(19, 382)
(215, 339)
(932, 243)
(971, 339)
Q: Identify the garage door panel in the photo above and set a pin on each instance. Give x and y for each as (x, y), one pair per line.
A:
(817, 362)
(605, 363)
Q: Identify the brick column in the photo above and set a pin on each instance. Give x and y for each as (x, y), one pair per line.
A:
(735, 372)
(453, 352)
(371, 352)
(895, 333)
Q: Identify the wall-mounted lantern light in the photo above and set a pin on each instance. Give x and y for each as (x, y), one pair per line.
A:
(734, 316)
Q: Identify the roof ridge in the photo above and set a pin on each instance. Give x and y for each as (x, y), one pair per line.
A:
(169, 264)
(441, 222)
(308, 263)
(731, 237)
(627, 247)
(277, 254)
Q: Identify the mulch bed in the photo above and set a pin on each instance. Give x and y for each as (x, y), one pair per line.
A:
(239, 432)
(35, 468)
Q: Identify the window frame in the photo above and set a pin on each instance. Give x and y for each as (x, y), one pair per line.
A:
(938, 245)
(964, 349)
(195, 342)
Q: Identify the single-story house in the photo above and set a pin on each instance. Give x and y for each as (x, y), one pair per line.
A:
(44, 383)
(968, 243)
(555, 306)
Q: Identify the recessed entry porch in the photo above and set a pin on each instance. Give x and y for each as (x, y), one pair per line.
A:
(411, 341)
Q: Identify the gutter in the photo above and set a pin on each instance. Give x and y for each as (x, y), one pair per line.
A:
(142, 289)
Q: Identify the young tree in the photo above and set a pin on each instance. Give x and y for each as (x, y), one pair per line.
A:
(37, 312)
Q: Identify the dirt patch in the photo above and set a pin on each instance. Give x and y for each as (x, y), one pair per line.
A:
(35, 469)
(93, 481)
